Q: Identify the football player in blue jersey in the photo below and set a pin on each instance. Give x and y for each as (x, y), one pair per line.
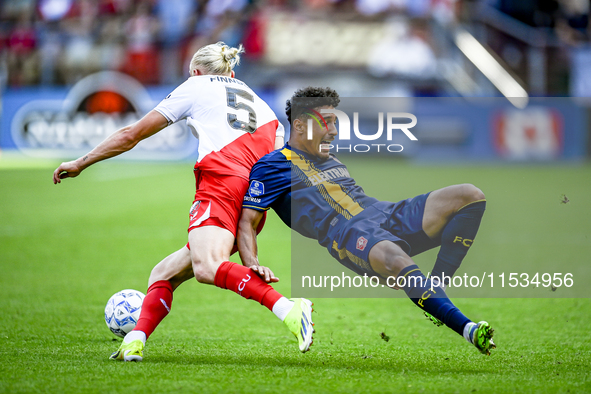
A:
(313, 193)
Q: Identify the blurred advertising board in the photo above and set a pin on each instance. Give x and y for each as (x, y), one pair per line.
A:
(68, 122)
(62, 123)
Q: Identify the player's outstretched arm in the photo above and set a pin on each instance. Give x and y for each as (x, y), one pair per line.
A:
(120, 141)
(247, 244)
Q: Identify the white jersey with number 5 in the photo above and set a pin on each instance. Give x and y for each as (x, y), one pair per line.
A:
(234, 126)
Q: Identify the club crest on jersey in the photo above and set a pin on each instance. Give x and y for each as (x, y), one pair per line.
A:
(361, 243)
(256, 188)
(195, 208)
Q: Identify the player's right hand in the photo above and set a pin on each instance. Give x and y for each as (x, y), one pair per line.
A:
(66, 170)
(265, 273)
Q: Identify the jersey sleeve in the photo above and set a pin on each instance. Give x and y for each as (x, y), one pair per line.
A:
(280, 130)
(177, 105)
(268, 183)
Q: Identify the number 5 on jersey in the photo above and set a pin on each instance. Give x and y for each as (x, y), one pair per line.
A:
(233, 121)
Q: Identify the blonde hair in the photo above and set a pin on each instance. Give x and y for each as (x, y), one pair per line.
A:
(217, 58)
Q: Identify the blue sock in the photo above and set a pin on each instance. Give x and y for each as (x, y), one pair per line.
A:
(435, 302)
(456, 238)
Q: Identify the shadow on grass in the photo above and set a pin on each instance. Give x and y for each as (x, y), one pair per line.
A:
(421, 362)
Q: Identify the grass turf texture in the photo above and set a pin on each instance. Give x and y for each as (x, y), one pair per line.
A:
(65, 249)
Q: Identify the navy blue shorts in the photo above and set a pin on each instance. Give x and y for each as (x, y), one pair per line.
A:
(400, 222)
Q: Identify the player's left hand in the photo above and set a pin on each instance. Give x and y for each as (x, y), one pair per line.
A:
(68, 169)
(265, 273)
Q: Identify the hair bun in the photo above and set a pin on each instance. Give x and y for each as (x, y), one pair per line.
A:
(216, 58)
(231, 55)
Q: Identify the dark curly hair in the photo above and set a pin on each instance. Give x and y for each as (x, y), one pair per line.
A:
(314, 98)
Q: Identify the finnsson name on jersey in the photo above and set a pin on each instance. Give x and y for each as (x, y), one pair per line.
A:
(226, 80)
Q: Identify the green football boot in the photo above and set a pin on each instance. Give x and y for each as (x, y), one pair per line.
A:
(433, 319)
(482, 338)
(299, 322)
(132, 351)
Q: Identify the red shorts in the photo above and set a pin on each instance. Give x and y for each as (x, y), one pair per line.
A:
(218, 201)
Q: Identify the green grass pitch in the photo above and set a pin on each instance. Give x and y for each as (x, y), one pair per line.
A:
(65, 249)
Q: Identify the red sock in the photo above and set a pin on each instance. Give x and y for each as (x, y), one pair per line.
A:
(155, 307)
(246, 283)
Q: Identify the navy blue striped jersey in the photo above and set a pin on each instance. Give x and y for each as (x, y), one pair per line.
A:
(306, 193)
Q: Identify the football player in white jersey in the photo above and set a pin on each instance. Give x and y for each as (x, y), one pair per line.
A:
(235, 129)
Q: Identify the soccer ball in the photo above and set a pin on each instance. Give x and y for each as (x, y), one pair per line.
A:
(123, 311)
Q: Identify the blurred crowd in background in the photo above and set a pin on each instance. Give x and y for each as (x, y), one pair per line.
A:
(544, 43)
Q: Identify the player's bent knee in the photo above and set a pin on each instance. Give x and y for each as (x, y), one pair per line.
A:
(388, 259)
(158, 273)
(471, 193)
(395, 264)
(175, 268)
(204, 273)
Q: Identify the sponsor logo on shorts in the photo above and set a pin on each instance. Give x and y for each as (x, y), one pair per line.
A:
(195, 208)
(361, 243)
(198, 215)
(256, 188)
